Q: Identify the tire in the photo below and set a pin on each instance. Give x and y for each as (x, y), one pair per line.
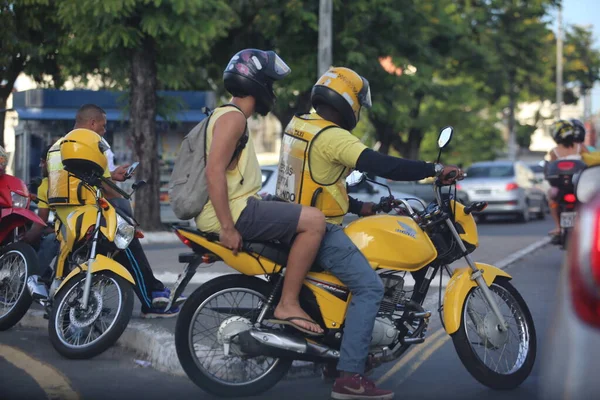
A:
(17, 311)
(110, 336)
(524, 216)
(473, 363)
(188, 360)
(541, 215)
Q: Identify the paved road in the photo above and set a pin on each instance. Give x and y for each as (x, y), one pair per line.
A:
(31, 369)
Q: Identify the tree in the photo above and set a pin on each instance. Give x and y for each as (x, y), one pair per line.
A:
(582, 61)
(28, 43)
(145, 45)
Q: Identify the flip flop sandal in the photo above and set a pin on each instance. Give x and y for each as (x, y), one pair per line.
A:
(288, 322)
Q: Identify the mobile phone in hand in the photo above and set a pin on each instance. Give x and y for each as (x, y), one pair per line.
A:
(131, 170)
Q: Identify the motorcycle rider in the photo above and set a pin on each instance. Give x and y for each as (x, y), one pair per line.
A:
(566, 135)
(45, 235)
(233, 174)
(63, 196)
(318, 151)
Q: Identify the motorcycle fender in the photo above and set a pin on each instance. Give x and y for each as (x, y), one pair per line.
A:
(102, 263)
(25, 213)
(458, 288)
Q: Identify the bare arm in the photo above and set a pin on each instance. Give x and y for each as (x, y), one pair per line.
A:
(34, 234)
(226, 133)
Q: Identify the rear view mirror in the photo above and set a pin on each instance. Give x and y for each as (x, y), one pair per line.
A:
(587, 184)
(445, 137)
(355, 178)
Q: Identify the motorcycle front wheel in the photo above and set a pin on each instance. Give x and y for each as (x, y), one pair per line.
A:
(18, 262)
(221, 308)
(79, 333)
(499, 359)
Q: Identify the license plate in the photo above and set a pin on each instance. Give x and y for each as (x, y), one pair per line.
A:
(567, 219)
(483, 191)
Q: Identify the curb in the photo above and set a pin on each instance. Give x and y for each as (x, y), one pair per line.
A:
(157, 345)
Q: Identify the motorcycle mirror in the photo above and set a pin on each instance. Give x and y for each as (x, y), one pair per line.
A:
(587, 184)
(138, 185)
(355, 178)
(445, 137)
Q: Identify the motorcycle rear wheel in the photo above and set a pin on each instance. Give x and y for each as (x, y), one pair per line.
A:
(210, 378)
(499, 375)
(18, 262)
(70, 324)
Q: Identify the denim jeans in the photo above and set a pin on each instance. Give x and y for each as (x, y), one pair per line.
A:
(48, 249)
(341, 257)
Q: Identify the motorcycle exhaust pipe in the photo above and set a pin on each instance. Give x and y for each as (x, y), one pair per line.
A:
(259, 342)
(37, 290)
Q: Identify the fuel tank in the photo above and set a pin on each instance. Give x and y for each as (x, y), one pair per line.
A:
(393, 242)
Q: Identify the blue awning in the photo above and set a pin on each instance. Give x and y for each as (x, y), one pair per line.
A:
(111, 115)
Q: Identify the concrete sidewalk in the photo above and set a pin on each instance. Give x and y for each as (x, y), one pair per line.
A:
(153, 340)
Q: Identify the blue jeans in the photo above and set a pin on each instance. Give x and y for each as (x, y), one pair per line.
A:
(339, 256)
(48, 249)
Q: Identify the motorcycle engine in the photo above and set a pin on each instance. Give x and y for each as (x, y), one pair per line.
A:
(384, 332)
(393, 287)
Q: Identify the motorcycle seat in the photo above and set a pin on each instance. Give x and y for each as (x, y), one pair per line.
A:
(274, 251)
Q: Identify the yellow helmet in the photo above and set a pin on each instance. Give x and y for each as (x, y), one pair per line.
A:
(345, 91)
(82, 154)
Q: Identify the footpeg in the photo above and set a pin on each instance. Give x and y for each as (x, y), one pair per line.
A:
(417, 340)
(36, 289)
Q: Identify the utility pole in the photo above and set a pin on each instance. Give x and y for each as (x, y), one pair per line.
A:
(559, 64)
(325, 37)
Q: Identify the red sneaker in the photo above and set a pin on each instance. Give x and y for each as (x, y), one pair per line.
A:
(358, 387)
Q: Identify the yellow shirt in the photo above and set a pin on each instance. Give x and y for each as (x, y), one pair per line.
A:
(331, 152)
(237, 192)
(42, 194)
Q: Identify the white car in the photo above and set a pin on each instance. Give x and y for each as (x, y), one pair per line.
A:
(365, 192)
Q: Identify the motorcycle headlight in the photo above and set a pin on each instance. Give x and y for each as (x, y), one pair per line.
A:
(18, 200)
(125, 233)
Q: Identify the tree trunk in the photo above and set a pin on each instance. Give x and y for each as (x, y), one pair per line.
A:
(512, 101)
(384, 133)
(143, 127)
(2, 117)
(11, 74)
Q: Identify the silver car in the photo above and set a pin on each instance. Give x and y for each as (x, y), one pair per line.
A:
(509, 188)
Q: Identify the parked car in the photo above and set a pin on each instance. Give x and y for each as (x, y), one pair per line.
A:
(538, 171)
(509, 188)
(365, 192)
(571, 356)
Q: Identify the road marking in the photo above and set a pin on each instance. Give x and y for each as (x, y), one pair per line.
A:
(406, 358)
(55, 384)
(425, 351)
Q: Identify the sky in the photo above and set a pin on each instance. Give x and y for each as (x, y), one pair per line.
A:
(585, 12)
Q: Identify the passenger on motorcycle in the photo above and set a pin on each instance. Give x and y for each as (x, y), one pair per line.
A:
(568, 138)
(318, 151)
(64, 196)
(43, 234)
(235, 210)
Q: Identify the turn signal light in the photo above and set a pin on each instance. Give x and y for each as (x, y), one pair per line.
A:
(570, 198)
(103, 203)
(139, 234)
(511, 186)
(584, 264)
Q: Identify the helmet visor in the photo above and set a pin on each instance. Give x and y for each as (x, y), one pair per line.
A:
(279, 69)
(364, 96)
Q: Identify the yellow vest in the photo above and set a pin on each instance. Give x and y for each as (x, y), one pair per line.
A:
(295, 182)
(64, 189)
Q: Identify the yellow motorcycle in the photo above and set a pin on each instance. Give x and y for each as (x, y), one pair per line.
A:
(89, 299)
(227, 346)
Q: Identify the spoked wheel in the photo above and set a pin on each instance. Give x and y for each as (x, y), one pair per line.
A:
(17, 262)
(204, 337)
(84, 333)
(499, 359)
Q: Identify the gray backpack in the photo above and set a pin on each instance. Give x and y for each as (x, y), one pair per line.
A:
(188, 189)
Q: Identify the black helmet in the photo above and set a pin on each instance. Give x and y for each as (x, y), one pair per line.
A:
(579, 130)
(563, 132)
(251, 72)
